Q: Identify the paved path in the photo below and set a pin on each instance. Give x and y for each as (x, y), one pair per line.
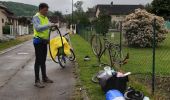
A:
(12, 61)
(17, 77)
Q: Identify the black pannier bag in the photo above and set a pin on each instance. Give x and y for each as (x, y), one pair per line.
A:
(117, 83)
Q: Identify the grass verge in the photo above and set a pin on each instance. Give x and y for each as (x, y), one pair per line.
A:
(86, 70)
(18, 40)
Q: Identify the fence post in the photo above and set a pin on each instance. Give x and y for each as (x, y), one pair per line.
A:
(153, 62)
(120, 40)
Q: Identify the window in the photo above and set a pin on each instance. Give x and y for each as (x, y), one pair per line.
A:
(2, 20)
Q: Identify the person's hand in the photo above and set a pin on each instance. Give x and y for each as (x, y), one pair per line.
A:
(51, 25)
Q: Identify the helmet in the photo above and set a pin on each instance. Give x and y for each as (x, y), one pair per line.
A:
(132, 94)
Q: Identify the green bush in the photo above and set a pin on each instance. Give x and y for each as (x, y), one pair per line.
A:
(102, 24)
(6, 29)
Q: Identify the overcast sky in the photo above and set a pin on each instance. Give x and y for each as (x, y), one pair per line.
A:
(65, 5)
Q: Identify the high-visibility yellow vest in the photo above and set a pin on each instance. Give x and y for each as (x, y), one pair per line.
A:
(43, 21)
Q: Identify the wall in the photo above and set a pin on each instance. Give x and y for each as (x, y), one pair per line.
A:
(117, 18)
(14, 27)
(23, 30)
(4, 17)
(97, 12)
(113, 17)
(1, 29)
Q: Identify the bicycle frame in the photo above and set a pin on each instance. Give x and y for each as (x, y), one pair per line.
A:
(118, 52)
(106, 47)
(103, 49)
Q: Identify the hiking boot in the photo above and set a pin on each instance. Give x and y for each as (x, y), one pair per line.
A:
(38, 84)
(47, 80)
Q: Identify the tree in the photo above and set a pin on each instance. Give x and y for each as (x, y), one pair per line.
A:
(148, 7)
(79, 16)
(102, 24)
(161, 8)
(138, 29)
(58, 13)
(79, 5)
(84, 20)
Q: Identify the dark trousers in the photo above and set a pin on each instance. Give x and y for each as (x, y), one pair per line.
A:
(40, 60)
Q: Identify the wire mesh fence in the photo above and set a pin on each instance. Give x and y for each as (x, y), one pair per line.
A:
(167, 24)
(141, 62)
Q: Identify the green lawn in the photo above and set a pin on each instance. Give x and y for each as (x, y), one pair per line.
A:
(18, 40)
(82, 48)
(141, 58)
(87, 70)
(140, 62)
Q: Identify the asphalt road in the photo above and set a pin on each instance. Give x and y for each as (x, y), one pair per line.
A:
(17, 76)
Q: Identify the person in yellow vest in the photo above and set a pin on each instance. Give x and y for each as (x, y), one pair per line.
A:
(41, 27)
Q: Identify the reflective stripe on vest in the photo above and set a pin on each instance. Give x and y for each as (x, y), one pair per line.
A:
(43, 21)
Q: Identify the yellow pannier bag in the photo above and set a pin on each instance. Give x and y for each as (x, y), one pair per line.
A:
(56, 43)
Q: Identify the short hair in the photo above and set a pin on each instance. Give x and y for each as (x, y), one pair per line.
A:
(43, 5)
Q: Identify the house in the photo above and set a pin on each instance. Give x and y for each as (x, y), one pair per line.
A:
(23, 25)
(117, 12)
(4, 14)
(8, 19)
(11, 24)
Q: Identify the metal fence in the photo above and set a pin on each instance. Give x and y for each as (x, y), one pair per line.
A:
(167, 24)
(150, 66)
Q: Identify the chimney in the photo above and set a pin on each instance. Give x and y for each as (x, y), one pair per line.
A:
(111, 3)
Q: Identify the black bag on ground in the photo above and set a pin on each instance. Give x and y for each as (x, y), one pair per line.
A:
(118, 83)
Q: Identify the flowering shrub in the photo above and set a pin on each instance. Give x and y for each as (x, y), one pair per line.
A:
(138, 29)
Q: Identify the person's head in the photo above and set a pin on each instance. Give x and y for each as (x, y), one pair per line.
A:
(43, 8)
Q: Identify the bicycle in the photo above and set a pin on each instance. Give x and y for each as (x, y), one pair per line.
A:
(114, 50)
(61, 57)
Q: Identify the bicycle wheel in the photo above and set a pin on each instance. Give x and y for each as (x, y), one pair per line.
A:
(94, 78)
(58, 32)
(96, 45)
(72, 56)
(62, 61)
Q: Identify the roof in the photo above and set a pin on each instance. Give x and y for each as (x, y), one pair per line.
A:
(1, 5)
(118, 9)
(6, 9)
(91, 12)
